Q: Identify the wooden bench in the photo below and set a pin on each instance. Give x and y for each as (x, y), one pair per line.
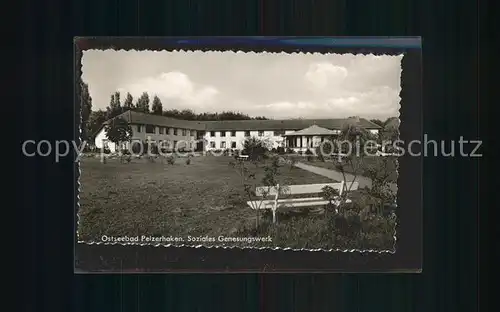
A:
(242, 157)
(276, 192)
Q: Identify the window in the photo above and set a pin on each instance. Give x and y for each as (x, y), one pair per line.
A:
(167, 130)
(279, 133)
(139, 128)
(150, 129)
(193, 133)
(212, 133)
(175, 145)
(233, 144)
(222, 144)
(233, 133)
(247, 133)
(212, 144)
(183, 132)
(175, 131)
(223, 133)
(261, 133)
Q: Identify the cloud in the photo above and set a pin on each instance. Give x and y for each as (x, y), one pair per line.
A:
(173, 85)
(321, 75)
(258, 84)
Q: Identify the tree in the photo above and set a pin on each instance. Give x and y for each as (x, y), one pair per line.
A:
(389, 134)
(351, 146)
(128, 104)
(157, 107)
(96, 119)
(255, 148)
(114, 109)
(118, 130)
(142, 104)
(86, 109)
(271, 182)
(187, 114)
(382, 172)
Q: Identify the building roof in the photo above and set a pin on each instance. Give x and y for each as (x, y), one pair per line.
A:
(133, 117)
(290, 124)
(313, 130)
(158, 120)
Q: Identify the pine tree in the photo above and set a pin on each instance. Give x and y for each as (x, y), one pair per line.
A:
(86, 109)
(142, 104)
(157, 107)
(128, 104)
(114, 109)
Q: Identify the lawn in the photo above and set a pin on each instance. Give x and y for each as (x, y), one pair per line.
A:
(205, 198)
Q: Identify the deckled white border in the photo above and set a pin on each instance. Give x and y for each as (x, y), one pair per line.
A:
(385, 251)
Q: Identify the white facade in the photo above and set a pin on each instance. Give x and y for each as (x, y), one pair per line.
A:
(165, 137)
(216, 140)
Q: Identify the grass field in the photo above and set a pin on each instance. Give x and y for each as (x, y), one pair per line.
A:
(180, 200)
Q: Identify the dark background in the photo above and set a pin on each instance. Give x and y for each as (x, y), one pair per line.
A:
(451, 190)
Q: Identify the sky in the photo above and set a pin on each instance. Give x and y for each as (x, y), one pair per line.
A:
(274, 85)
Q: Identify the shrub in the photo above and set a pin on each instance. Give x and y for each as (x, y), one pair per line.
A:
(171, 160)
(255, 148)
(309, 154)
(280, 150)
(290, 151)
(154, 149)
(136, 147)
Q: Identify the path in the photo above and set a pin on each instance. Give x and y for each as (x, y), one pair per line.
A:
(336, 175)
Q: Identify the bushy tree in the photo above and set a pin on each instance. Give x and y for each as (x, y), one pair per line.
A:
(86, 109)
(389, 133)
(128, 104)
(269, 182)
(96, 119)
(383, 173)
(118, 130)
(142, 104)
(255, 148)
(114, 109)
(157, 107)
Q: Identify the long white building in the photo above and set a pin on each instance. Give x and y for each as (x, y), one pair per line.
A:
(170, 133)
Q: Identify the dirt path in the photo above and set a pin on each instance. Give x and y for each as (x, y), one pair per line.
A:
(335, 175)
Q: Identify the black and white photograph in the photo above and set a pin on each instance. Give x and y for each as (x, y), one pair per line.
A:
(295, 151)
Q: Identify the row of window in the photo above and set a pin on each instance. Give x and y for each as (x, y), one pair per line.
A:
(185, 132)
(222, 145)
(174, 144)
(165, 130)
(247, 133)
